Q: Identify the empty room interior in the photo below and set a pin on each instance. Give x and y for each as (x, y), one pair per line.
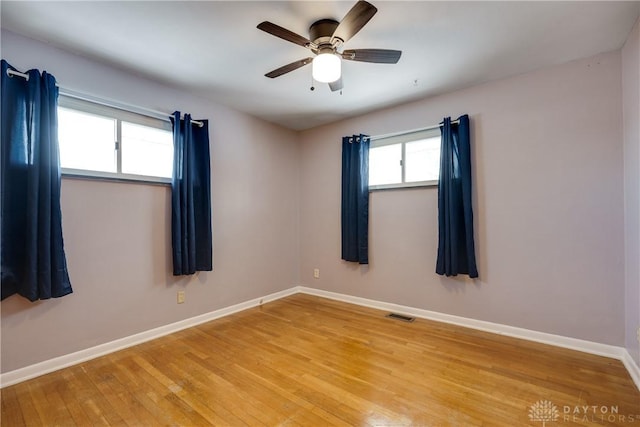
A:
(318, 213)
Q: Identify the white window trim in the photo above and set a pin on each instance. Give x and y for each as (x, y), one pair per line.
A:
(417, 184)
(403, 138)
(111, 176)
(94, 107)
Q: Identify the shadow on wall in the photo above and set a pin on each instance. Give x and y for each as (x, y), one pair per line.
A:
(477, 194)
(182, 281)
(17, 304)
(352, 266)
(458, 284)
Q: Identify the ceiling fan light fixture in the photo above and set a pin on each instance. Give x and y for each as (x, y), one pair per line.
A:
(326, 68)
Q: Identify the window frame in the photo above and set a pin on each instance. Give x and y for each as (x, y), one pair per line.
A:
(403, 139)
(119, 115)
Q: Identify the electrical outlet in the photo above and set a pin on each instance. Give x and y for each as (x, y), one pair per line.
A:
(316, 273)
(180, 297)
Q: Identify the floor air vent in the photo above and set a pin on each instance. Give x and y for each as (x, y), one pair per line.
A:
(401, 317)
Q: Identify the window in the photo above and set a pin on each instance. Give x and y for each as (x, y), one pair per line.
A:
(105, 142)
(408, 160)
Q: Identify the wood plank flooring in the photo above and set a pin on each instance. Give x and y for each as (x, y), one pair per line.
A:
(309, 361)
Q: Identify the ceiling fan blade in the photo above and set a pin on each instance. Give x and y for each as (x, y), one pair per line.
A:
(283, 33)
(337, 85)
(379, 56)
(288, 68)
(354, 20)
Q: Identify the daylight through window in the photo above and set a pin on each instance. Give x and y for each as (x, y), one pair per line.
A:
(100, 141)
(408, 160)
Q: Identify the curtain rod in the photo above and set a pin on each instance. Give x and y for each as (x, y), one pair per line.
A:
(406, 132)
(10, 73)
(73, 94)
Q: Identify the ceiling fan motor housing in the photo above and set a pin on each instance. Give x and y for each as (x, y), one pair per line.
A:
(326, 38)
(320, 32)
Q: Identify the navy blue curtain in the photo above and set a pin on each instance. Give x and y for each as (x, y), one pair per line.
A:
(456, 253)
(355, 198)
(191, 235)
(33, 259)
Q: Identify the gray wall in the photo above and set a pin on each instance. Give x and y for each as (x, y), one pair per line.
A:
(117, 235)
(547, 155)
(631, 113)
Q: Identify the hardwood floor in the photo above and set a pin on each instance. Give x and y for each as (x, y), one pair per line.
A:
(309, 361)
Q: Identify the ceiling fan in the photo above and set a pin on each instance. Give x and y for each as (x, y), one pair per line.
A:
(326, 39)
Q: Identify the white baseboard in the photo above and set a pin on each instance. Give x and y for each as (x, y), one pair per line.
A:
(591, 347)
(35, 370)
(632, 367)
(32, 371)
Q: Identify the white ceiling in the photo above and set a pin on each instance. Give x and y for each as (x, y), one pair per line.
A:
(213, 48)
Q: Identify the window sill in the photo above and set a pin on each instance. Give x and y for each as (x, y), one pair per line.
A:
(114, 177)
(421, 184)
